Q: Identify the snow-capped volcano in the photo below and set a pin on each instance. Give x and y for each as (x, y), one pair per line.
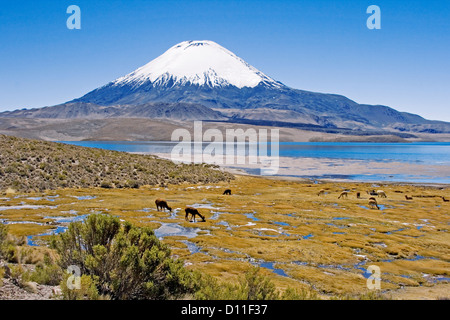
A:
(202, 63)
(205, 76)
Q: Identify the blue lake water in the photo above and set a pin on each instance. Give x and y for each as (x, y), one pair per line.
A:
(420, 153)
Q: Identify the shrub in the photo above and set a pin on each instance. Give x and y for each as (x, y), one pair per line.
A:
(255, 286)
(132, 184)
(293, 294)
(124, 262)
(3, 240)
(106, 185)
(47, 272)
(87, 291)
(2, 274)
(252, 286)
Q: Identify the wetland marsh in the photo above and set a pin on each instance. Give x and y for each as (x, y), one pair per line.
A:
(299, 239)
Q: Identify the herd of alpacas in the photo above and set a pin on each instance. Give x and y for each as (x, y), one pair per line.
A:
(161, 204)
(372, 200)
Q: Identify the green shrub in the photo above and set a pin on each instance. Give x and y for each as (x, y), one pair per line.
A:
(3, 233)
(293, 294)
(3, 241)
(2, 274)
(255, 286)
(252, 286)
(47, 273)
(87, 291)
(126, 262)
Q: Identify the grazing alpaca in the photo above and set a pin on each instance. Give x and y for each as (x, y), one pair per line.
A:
(162, 204)
(373, 203)
(445, 200)
(382, 194)
(343, 194)
(408, 198)
(228, 191)
(321, 192)
(193, 212)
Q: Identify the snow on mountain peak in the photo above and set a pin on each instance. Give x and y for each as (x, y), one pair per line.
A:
(203, 63)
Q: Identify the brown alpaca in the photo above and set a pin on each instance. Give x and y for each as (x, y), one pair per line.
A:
(228, 191)
(373, 203)
(408, 198)
(343, 194)
(193, 212)
(321, 192)
(162, 204)
(358, 195)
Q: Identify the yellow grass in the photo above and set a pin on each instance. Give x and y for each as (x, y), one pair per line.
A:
(318, 241)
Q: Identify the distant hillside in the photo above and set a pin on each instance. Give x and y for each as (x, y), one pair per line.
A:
(27, 165)
(153, 110)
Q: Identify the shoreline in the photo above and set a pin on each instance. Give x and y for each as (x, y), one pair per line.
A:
(238, 172)
(319, 168)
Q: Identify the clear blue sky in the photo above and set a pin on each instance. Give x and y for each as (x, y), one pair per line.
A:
(321, 46)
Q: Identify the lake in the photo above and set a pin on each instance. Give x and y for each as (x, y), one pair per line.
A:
(424, 162)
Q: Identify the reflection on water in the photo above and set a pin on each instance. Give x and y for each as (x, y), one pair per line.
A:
(270, 265)
(175, 229)
(35, 243)
(423, 153)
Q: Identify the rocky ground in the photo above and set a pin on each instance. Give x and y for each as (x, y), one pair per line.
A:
(13, 289)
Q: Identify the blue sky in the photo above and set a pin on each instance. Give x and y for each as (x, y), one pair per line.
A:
(321, 46)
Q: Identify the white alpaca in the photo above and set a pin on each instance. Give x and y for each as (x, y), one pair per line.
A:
(382, 194)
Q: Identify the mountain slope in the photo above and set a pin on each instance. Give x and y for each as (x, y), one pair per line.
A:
(156, 110)
(48, 165)
(201, 80)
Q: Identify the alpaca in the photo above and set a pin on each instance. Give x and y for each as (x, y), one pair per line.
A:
(408, 198)
(227, 191)
(343, 194)
(358, 195)
(321, 192)
(162, 204)
(372, 193)
(382, 194)
(193, 212)
(373, 203)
